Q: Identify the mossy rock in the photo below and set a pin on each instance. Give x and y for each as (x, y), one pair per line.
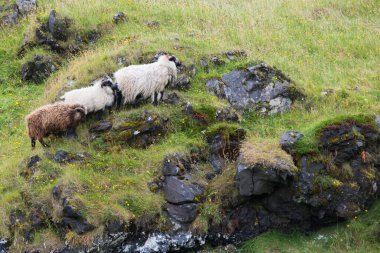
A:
(141, 132)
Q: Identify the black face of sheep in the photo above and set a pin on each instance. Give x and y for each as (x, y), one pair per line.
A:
(175, 60)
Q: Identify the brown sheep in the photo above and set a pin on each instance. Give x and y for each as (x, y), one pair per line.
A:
(53, 119)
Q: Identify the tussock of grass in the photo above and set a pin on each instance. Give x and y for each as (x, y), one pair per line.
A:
(266, 154)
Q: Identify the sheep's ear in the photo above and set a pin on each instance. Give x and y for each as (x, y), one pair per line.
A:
(172, 58)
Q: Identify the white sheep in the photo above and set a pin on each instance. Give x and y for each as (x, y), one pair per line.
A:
(93, 98)
(146, 80)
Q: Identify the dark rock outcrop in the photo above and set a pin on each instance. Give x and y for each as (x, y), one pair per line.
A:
(38, 69)
(335, 184)
(29, 166)
(260, 88)
(119, 17)
(58, 27)
(224, 144)
(62, 156)
(73, 220)
(140, 132)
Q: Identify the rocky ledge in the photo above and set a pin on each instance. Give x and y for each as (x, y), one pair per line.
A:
(300, 183)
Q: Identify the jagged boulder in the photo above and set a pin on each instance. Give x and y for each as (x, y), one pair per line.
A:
(38, 69)
(260, 88)
(73, 220)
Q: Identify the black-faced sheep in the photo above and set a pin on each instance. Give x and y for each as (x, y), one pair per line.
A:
(146, 80)
(93, 98)
(53, 119)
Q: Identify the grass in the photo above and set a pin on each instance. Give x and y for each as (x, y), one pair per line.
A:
(319, 44)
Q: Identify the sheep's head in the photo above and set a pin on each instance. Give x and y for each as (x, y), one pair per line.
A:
(107, 84)
(79, 114)
(175, 60)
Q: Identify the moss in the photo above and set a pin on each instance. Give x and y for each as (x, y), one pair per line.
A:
(325, 182)
(309, 143)
(224, 129)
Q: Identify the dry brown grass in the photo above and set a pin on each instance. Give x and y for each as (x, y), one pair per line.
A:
(266, 153)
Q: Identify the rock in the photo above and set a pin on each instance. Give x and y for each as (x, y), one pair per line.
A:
(188, 109)
(122, 61)
(257, 181)
(38, 69)
(100, 127)
(227, 114)
(4, 245)
(210, 176)
(92, 37)
(62, 156)
(204, 63)
(115, 226)
(170, 98)
(119, 17)
(73, 220)
(224, 143)
(79, 226)
(289, 139)
(56, 192)
(216, 60)
(377, 121)
(58, 27)
(182, 83)
(216, 87)
(28, 167)
(162, 242)
(141, 132)
(185, 213)
(17, 218)
(261, 88)
(327, 92)
(153, 24)
(26, 6)
(12, 16)
(232, 55)
(179, 191)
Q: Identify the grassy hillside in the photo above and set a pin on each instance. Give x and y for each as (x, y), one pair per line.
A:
(320, 45)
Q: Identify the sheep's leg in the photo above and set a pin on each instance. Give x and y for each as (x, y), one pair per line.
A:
(160, 95)
(43, 143)
(99, 115)
(154, 99)
(33, 142)
(71, 133)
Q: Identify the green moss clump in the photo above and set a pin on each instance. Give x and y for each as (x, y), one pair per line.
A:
(309, 143)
